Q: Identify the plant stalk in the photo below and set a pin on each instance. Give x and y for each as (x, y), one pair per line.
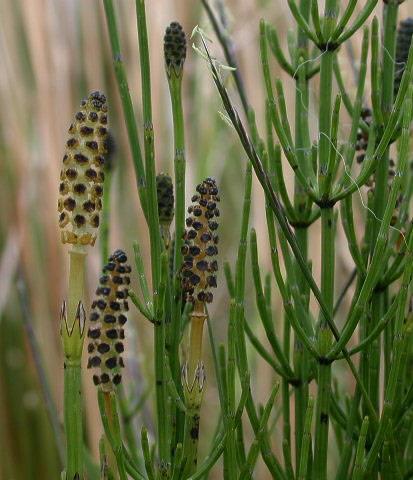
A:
(72, 332)
(73, 420)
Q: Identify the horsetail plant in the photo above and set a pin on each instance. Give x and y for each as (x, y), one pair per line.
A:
(198, 278)
(371, 427)
(165, 195)
(79, 204)
(174, 56)
(320, 183)
(106, 334)
(107, 319)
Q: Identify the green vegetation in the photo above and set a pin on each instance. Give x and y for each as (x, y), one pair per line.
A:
(270, 324)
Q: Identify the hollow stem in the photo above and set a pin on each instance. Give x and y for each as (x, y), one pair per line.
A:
(194, 383)
(72, 332)
(324, 343)
(175, 88)
(110, 419)
(161, 393)
(327, 249)
(197, 320)
(381, 195)
(399, 330)
(301, 204)
(72, 343)
(154, 233)
(73, 420)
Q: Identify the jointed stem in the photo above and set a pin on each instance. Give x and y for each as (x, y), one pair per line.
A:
(72, 332)
(70, 329)
(154, 233)
(195, 344)
(399, 330)
(111, 425)
(301, 202)
(194, 388)
(327, 247)
(175, 87)
(324, 342)
(381, 194)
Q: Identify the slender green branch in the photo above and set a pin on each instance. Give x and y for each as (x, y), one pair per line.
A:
(273, 42)
(373, 157)
(246, 472)
(130, 119)
(306, 442)
(110, 420)
(272, 338)
(151, 200)
(358, 22)
(301, 21)
(358, 462)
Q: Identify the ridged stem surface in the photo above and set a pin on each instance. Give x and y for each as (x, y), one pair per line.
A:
(72, 336)
(327, 249)
(302, 145)
(73, 420)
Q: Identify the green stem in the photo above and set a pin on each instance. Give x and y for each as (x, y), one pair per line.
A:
(161, 392)
(272, 38)
(110, 420)
(376, 153)
(324, 343)
(381, 194)
(175, 88)
(191, 441)
(161, 386)
(389, 49)
(327, 248)
(248, 467)
(230, 446)
(306, 442)
(129, 115)
(269, 328)
(358, 463)
(151, 200)
(72, 332)
(358, 22)
(399, 330)
(325, 117)
(73, 420)
(281, 217)
(150, 471)
(242, 360)
(352, 418)
(127, 424)
(154, 233)
(302, 145)
(193, 391)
